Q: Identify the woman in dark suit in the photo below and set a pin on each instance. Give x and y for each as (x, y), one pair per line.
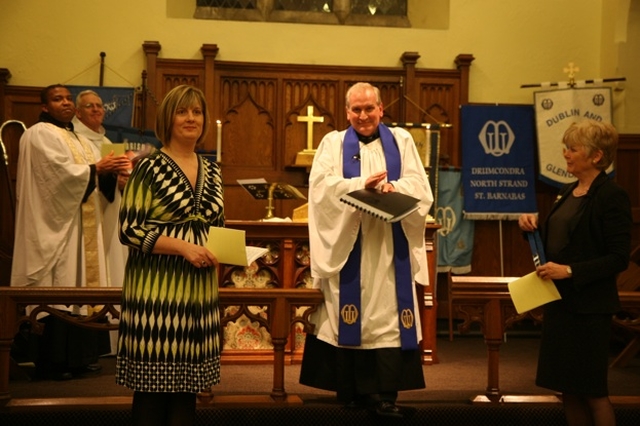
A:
(587, 238)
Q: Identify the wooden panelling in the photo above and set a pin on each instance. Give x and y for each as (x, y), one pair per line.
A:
(259, 105)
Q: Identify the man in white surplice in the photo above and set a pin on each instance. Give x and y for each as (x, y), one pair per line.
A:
(88, 123)
(58, 218)
(369, 371)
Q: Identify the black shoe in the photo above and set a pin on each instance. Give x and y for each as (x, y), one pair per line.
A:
(61, 376)
(352, 405)
(87, 369)
(93, 368)
(388, 409)
(358, 403)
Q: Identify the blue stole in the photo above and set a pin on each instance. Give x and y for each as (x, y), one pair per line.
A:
(350, 329)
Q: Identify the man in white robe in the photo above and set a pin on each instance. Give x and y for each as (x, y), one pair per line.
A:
(369, 372)
(58, 172)
(87, 122)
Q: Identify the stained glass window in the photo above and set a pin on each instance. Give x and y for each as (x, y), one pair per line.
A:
(379, 7)
(304, 5)
(349, 12)
(228, 4)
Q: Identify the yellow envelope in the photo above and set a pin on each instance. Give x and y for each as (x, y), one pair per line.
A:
(117, 148)
(531, 291)
(229, 247)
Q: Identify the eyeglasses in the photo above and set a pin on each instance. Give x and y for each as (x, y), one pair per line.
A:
(91, 106)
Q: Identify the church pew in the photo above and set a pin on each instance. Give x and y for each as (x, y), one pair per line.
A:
(479, 299)
(281, 306)
(629, 320)
(486, 300)
(628, 282)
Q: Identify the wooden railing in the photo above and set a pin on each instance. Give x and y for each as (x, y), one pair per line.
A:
(280, 307)
(486, 300)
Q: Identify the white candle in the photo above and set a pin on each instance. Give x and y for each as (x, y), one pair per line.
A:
(219, 144)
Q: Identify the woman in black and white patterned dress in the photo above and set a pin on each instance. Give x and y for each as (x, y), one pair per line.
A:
(168, 345)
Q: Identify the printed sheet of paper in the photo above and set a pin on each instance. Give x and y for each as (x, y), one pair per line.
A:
(228, 245)
(531, 291)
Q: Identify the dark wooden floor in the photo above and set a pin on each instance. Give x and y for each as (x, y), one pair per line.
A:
(242, 397)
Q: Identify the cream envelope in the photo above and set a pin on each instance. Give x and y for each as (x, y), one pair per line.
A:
(228, 245)
(531, 291)
(117, 148)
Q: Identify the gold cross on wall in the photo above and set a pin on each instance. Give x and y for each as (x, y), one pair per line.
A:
(310, 119)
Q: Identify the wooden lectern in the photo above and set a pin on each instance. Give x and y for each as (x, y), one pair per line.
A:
(260, 189)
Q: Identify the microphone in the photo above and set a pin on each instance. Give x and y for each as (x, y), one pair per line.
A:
(356, 157)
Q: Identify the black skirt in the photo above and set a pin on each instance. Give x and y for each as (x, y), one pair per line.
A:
(574, 352)
(354, 372)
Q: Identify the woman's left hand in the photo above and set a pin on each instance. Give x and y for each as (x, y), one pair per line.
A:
(198, 256)
(552, 271)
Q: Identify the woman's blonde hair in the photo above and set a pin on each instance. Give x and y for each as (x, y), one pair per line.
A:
(183, 96)
(594, 136)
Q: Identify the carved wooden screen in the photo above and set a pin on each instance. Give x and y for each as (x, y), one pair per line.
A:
(259, 105)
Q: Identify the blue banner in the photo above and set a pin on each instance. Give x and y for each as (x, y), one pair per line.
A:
(498, 161)
(455, 237)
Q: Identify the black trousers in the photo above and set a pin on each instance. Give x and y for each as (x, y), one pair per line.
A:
(64, 347)
(352, 373)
